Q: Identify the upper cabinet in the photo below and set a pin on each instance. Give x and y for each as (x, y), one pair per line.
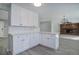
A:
(36, 21)
(23, 17)
(15, 15)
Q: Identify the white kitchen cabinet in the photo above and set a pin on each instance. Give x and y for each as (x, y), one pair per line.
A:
(49, 40)
(25, 41)
(20, 43)
(30, 18)
(23, 17)
(26, 17)
(15, 15)
(35, 20)
(17, 45)
(44, 39)
(34, 39)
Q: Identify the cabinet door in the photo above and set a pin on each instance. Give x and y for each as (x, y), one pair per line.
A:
(17, 44)
(34, 39)
(24, 17)
(20, 43)
(52, 41)
(30, 18)
(47, 40)
(44, 39)
(35, 18)
(25, 42)
(15, 15)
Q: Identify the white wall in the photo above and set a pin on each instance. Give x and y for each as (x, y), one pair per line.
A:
(57, 11)
(71, 11)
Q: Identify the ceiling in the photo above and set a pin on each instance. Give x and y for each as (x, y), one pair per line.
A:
(49, 8)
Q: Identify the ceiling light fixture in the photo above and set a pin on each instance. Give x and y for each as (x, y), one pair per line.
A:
(37, 4)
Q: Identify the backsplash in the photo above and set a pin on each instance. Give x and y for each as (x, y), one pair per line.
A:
(18, 29)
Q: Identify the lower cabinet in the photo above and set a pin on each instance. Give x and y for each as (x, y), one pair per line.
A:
(20, 43)
(34, 39)
(23, 42)
(50, 41)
